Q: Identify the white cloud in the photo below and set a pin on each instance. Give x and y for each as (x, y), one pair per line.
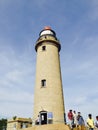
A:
(16, 82)
(17, 101)
(80, 74)
(84, 60)
(9, 95)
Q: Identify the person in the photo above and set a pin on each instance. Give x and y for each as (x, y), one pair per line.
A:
(90, 122)
(96, 123)
(38, 120)
(80, 121)
(75, 119)
(70, 118)
(42, 120)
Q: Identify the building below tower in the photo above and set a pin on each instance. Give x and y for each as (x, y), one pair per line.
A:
(18, 123)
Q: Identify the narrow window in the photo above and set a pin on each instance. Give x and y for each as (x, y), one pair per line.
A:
(43, 48)
(43, 83)
(50, 117)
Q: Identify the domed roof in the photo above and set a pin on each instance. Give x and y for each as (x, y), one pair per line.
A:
(47, 30)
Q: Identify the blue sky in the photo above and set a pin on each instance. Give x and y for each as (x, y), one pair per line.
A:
(76, 25)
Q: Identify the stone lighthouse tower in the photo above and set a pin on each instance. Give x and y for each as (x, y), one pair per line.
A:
(48, 95)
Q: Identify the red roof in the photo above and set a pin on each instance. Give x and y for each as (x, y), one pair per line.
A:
(47, 28)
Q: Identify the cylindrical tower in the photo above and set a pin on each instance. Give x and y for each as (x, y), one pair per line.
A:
(48, 95)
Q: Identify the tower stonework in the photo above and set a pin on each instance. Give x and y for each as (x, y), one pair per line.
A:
(48, 93)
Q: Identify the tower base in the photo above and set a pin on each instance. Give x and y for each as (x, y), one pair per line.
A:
(49, 127)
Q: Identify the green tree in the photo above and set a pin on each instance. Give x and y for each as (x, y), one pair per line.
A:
(3, 124)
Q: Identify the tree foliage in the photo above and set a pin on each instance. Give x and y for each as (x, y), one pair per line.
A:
(3, 124)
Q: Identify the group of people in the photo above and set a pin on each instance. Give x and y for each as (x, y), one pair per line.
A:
(76, 120)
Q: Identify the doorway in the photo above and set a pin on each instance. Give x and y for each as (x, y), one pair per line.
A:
(43, 117)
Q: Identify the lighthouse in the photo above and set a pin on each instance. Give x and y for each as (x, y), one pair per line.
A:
(48, 91)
